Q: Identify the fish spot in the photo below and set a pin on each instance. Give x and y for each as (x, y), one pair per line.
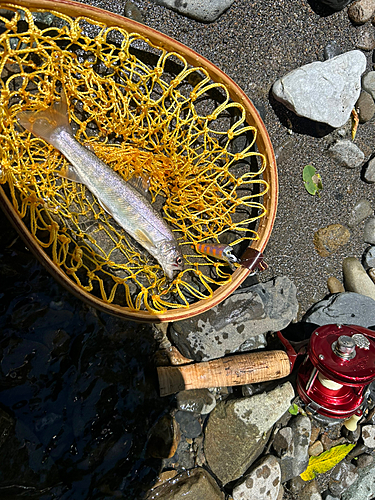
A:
(240, 328)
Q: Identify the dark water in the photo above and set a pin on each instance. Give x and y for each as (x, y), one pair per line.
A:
(78, 390)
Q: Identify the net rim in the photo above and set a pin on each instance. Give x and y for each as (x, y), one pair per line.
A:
(253, 118)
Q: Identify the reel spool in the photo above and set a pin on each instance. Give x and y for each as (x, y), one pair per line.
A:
(339, 365)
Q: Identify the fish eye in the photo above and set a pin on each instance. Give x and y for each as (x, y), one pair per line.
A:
(179, 260)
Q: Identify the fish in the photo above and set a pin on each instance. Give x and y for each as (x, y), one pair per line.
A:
(128, 207)
(218, 251)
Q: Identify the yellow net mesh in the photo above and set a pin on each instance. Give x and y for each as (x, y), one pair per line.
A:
(147, 113)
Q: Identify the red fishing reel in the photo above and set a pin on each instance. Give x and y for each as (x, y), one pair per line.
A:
(339, 366)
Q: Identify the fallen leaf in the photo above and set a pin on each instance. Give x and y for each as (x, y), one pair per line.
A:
(312, 180)
(326, 461)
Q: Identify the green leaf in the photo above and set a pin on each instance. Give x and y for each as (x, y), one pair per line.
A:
(312, 180)
(294, 410)
(326, 461)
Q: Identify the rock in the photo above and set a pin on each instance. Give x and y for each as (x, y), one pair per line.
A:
(239, 323)
(365, 107)
(336, 4)
(283, 441)
(323, 91)
(368, 435)
(364, 461)
(356, 279)
(194, 484)
(263, 482)
(369, 257)
(316, 449)
(342, 476)
(132, 12)
(331, 50)
(369, 172)
(343, 308)
(368, 83)
(369, 231)
(196, 400)
(361, 11)
(310, 492)
(296, 458)
(334, 285)
(327, 496)
(365, 39)
(189, 424)
(236, 430)
(361, 210)
(364, 487)
(346, 153)
(198, 9)
(164, 438)
(328, 239)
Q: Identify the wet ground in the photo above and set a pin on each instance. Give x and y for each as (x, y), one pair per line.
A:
(78, 390)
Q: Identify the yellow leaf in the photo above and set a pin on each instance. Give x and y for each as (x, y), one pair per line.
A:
(326, 461)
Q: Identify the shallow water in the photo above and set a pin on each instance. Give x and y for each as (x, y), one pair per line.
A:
(78, 390)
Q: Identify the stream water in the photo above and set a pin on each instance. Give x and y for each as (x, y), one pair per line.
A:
(78, 390)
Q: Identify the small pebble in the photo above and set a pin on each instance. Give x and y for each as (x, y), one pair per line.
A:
(361, 11)
(196, 400)
(334, 285)
(365, 107)
(132, 12)
(368, 435)
(328, 239)
(369, 257)
(316, 449)
(361, 210)
(356, 278)
(189, 424)
(346, 153)
(369, 231)
(368, 83)
(331, 50)
(369, 171)
(364, 460)
(365, 39)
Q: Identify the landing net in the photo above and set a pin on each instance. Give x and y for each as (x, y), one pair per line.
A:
(148, 115)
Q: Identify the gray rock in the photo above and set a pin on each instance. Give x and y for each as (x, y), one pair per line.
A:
(327, 496)
(368, 83)
(365, 39)
(237, 430)
(356, 279)
(331, 50)
(369, 173)
(361, 11)
(323, 91)
(346, 153)
(189, 424)
(198, 9)
(263, 482)
(310, 492)
(132, 12)
(283, 442)
(369, 231)
(364, 487)
(369, 257)
(239, 323)
(365, 107)
(196, 401)
(343, 308)
(361, 210)
(368, 435)
(194, 484)
(296, 458)
(342, 476)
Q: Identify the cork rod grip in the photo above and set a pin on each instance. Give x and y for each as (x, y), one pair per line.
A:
(239, 369)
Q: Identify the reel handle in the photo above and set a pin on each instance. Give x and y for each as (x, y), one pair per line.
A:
(239, 369)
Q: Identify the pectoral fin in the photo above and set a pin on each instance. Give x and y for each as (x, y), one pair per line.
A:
(143, 239)
(69, 173)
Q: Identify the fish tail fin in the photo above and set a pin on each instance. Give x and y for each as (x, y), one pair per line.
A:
(44, 123)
